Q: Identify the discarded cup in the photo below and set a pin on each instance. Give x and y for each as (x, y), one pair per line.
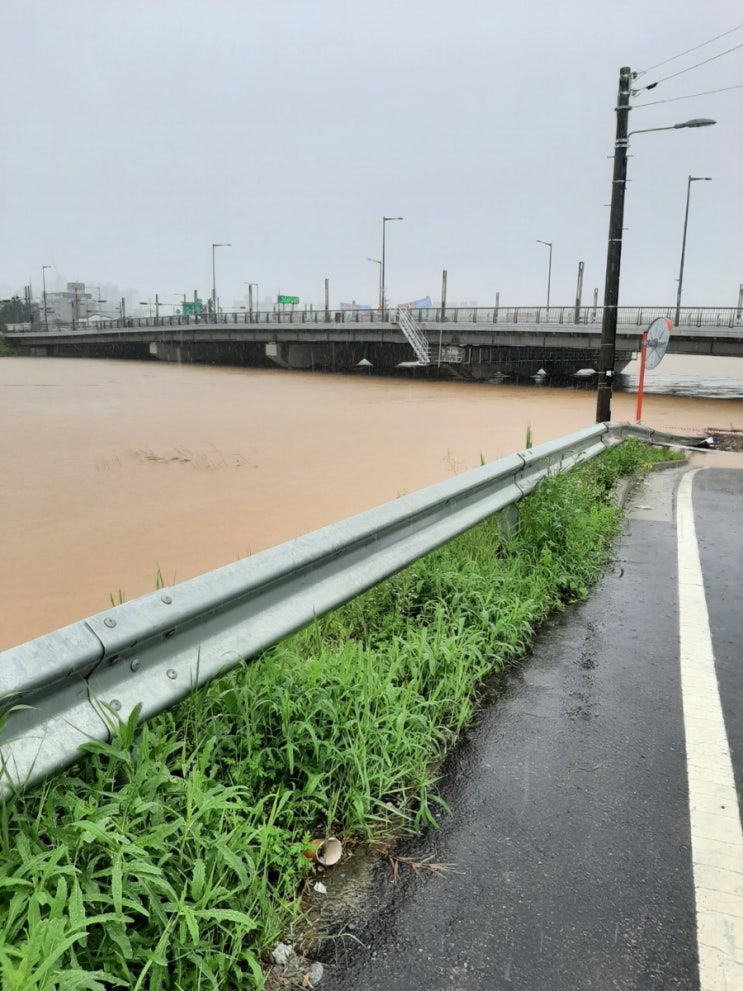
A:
(325, 852)
(311, 852)
(329, 852)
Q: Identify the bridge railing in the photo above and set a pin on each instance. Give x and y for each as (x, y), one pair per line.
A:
(72, 685)
(485, 316)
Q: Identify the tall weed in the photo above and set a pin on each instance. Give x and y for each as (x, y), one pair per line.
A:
(170, 858)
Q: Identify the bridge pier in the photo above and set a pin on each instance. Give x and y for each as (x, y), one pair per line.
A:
(165, 351)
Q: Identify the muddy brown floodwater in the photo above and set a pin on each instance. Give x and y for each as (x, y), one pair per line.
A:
(115, 471)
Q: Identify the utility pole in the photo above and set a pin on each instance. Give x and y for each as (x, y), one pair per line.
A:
(327, 300)
(443, 296)
(613, 253)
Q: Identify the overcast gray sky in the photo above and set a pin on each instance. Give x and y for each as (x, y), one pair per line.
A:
(138, 132)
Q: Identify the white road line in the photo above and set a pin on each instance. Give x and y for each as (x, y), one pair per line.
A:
(716, 837)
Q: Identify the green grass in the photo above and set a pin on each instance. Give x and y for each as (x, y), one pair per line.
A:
(171, 858)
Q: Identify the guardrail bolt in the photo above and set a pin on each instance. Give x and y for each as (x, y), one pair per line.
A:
(110, 623)
(166, 599)
(172, 674)
(135, 664)
(115, 704)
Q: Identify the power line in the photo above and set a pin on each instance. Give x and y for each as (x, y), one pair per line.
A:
(688, 69)
(689, 50)
(689, 96)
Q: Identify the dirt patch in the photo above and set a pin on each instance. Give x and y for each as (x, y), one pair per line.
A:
(725, 440)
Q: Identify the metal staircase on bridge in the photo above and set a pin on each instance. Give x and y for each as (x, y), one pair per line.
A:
(414, 336)
(450, 355)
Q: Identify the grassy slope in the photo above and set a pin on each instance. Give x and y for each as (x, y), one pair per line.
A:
(172, 857)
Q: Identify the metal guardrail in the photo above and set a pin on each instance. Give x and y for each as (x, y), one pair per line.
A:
(638, 316)
(70, 686)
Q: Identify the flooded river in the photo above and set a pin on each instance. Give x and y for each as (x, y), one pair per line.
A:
(115, 472)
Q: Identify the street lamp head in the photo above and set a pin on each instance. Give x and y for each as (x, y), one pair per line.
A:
(548, 243)
(393, 218)
(697, 122)
(700, 178)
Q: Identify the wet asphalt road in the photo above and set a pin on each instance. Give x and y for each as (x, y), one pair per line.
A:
(570, 827)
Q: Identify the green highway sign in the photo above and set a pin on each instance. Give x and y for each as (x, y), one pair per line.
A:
(188, 308)
(289, 299)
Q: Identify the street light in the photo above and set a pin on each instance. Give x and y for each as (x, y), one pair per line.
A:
(692, 178)
(382, 301)
(46, 314)
(378, 261)
(614, 251)
(214, 276)
(549, 273)
(146, 302)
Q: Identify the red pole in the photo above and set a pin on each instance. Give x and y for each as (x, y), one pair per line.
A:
(641, 384)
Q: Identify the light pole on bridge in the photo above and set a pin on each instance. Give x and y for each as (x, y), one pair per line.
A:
(692, 178)
(216, 245)
(549, 273)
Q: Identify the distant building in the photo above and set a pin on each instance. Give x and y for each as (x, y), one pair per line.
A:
(73, 305)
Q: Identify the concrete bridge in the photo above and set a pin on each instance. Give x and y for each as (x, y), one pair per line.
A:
(469, 343)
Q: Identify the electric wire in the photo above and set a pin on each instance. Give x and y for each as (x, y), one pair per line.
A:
(688, 69)
(689, 50)
(689, 96)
